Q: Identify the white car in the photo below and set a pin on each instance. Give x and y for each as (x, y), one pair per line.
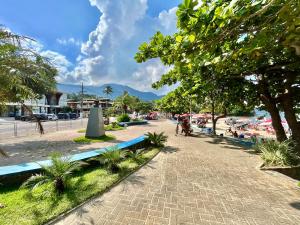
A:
(52, 116)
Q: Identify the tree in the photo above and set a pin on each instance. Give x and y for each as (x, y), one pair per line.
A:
(254, 41)
(77, 97)
(177, 102)
(125, 102)
(144, 107)
(108, 91)
(24, 74)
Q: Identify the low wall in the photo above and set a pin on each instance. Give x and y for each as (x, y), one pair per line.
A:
(132, 123)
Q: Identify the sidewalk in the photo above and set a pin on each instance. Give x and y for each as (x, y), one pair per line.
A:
(196, 180)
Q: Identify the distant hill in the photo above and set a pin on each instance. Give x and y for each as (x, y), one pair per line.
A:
(98, 90)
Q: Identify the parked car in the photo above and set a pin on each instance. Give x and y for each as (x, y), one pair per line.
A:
(26, 118)
(12, 114)
(52, 116)
(73, 116)
(63, 116)
(17, 117)
(40, 116)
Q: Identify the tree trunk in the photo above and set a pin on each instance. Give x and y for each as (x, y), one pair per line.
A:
(59, 185)
(213, 118)
(216, 120)
(276, 120)
(290, 116)
(271, 107)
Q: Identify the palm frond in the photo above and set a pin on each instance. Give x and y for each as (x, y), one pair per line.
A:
(35, 181)
(58, 173)
(156, 139)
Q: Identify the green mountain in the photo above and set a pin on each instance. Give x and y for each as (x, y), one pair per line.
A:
(98, 90)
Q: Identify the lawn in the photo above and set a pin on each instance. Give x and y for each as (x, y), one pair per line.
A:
(87, 140)
(23, 208)
(107, 128)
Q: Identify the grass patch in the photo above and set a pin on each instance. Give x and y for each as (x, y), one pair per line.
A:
(87, 140)
(113, 128)
(23, 208)
(106, 128)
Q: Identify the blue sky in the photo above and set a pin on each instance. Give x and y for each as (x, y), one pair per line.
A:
(93, 41)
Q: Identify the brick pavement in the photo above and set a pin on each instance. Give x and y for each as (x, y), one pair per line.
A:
(196, 180)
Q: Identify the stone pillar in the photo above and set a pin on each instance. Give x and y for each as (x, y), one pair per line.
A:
(95, 127)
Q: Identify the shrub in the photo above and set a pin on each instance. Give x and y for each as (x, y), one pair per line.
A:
(114, 124)
(88, 140)
(114, 127)
(58, 174)
(157, 140)
(275, 153)
(135, 155)
(111, 158)
(123, 118)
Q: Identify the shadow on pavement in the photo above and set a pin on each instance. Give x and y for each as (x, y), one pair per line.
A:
(169, 149)
(30, 151)
(295, 205)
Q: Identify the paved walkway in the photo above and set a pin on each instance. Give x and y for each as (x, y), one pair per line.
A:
(36, 147)
(196, 180)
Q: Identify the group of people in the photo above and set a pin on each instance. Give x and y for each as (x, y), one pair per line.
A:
(201, 122)
(184, 122)
(234, 133)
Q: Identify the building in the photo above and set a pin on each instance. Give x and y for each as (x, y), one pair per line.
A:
(87, 104)
(49, 103)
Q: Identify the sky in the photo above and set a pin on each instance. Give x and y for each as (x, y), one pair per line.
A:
(94, 41)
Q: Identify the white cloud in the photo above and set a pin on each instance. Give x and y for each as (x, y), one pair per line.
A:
(108, 54)
(117, 23)
(148, 74)
(168, 19)
(70, 41)
(59, 61)
(32, 44)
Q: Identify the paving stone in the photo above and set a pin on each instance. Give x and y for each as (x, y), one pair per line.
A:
(196, 181)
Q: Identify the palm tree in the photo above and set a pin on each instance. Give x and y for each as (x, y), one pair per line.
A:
(124, 102)
(157, 139)
(108, 91)
(58, 174)
(112, 158)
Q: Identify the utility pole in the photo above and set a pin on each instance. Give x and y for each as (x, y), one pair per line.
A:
(81, 102)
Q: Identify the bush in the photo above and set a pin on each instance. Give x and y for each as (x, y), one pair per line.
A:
(135, 155)
(123, 118)
(113, 127)
(157, 140)
(275, 153)
(58, 174)
(88, 140)
(111, 158)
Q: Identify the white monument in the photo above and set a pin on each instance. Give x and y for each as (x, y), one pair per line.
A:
(95, 127)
